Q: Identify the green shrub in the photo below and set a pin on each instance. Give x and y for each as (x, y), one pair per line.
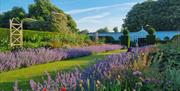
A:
(33, 39)
(34, 24)
(151, 31)
(151, 38)
(125, 40)
(176, 38)
(125, 31)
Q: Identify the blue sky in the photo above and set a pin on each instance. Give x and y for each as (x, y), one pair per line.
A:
(89, 14)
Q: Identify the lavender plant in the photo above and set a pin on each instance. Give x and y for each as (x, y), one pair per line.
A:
(24, 58)
(99, 77)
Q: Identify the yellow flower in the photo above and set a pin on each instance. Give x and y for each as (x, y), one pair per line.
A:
(80, 85)
(81, 81)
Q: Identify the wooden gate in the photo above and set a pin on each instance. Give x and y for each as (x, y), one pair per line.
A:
(16, 32)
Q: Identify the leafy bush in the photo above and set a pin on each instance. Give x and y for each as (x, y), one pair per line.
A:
(36, 38)
(151, 31)
(166, 63)
(34, 24)
(176, 38)
(125, 31)
(151, 38)
(125, 40)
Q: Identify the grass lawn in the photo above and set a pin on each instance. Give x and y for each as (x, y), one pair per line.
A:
(36, 72)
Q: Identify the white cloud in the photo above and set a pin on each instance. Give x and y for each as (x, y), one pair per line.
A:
(110, 22)
(93, 19)
(123, 5)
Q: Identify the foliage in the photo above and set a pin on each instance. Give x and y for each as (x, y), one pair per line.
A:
(27, 57)
(8, 79)
(33, 24)
(151, 31)
(115, 29)
(125, 31)
(125, 38)
(58, 23)
(35, 39)
(16, 12)
(134, 70)
(166, 63)
(55, 19)
(42, 9)
(176, 38)
(103, 30)
(161, 14)
(42, 15)
(99, 77)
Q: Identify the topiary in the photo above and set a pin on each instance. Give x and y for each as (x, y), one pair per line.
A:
(125, 31)
(125, 38)
(151, 31)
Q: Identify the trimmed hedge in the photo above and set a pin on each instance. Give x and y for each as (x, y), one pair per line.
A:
(125, 40)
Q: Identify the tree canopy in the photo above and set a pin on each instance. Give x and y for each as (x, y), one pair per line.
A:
(160, 14)
(115, 29)
(16, 12)
(42, 15)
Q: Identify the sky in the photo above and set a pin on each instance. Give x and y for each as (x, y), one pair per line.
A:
(88, 14)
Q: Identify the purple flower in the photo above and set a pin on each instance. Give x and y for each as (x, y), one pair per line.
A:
(137, 73)
(27, 57)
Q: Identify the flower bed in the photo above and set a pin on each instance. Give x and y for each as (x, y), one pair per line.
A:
(28, 57)
(114, 73)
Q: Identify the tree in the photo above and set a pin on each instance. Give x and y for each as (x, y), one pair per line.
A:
(16, 12)
(115, 29)
(71, 24)
(42, 9)
(160, 14)
(103, 30)
(58, 22)
(53, 17)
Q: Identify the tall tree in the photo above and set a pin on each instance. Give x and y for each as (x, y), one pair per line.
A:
(55, 18)
(160, 14)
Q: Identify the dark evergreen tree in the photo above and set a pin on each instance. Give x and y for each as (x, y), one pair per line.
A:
(161, 14)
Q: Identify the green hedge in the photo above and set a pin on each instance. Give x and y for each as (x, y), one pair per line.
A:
(125, 40)
(33, 39)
